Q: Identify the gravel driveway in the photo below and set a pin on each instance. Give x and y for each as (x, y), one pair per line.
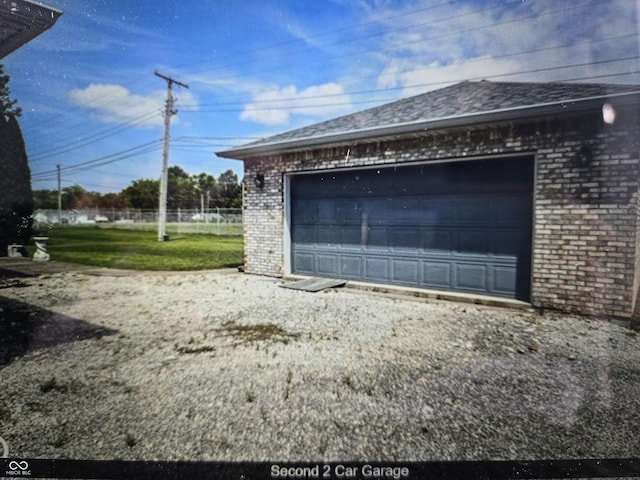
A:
(227, 366)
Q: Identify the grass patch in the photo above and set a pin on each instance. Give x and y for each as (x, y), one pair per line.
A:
(139, 250)
(261, 332)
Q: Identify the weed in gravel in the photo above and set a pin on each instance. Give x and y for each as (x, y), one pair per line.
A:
(130, 440)
(35, 406)
(349, 382)
(220, 443)
(4, 414)
(288, 386)
(52, 384)
(250, 397)
(183, 350)
(60, 439)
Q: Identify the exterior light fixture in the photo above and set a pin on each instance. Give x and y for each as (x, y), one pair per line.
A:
(583, 156)
(259, 180)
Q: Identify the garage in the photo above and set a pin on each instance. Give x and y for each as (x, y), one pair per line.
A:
(462, 226)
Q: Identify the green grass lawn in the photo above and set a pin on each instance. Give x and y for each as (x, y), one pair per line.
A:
(139, 250)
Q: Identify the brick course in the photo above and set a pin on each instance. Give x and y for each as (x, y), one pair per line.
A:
(585, 245)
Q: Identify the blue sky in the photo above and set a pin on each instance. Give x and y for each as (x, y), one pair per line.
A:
(92, 104)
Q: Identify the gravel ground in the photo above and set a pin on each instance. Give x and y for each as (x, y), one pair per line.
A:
(227, 366)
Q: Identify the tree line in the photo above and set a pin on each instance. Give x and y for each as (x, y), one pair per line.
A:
(184, 191)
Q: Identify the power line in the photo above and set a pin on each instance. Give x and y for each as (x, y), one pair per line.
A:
(106, 160)
(100, 135)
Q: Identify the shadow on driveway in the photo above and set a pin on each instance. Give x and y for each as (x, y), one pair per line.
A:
(24, 328)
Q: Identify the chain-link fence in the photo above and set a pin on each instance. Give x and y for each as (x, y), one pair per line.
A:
(216, 221)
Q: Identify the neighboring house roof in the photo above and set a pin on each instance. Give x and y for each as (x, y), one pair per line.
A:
(461, 104)
(21, 21)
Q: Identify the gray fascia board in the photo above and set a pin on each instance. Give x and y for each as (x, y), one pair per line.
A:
(402, 129)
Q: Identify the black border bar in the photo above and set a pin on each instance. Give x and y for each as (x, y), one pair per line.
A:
(12, 468)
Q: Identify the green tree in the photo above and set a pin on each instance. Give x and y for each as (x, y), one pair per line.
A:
(45, 199)
(206, 189)
(76, 197)
(113, 200)
(230, 191)
(7, 106)
(16, 196)
(180, 189)
(142, 194)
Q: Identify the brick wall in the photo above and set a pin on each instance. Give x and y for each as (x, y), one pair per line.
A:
(585, 219)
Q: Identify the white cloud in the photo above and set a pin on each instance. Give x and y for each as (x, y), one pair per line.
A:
(429, 53)
(116, 104)
(276, 105)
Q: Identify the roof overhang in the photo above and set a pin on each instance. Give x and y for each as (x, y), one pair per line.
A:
(399, 130)
(21, 21)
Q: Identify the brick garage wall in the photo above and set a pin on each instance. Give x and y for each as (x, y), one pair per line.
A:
(635, 314)
(585, 220)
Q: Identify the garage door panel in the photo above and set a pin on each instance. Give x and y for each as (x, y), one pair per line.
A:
(472, 210)
(471, 276)
(327, 212)
(406, 240)
(377, 239)
(305, 212)
(437, 242)
(376, 211)
(304, 262)
(351, 267)
(509, 209)
(412, 211)
(504, 279)
(436, 274)
(442, 210)
(406, 271)
(377, 269)
(328, 236)
(304, 235)
(471, 242)
(351, 238)
(327, 264)
(463, 226)
(349, 212)
(509, 244)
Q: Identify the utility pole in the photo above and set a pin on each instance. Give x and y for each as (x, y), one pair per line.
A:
(59, 197)
(168, 113)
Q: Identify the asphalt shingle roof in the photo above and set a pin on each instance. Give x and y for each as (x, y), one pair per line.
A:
(457, 101)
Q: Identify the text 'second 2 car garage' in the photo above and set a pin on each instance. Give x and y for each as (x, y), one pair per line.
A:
(525, 191)
(463, 226)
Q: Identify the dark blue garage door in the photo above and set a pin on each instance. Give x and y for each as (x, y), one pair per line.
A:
(462, 226)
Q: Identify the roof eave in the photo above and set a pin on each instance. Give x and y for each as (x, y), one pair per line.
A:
(40, 18)
(409, 128)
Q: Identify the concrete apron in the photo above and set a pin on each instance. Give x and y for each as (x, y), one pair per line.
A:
(431, 294)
